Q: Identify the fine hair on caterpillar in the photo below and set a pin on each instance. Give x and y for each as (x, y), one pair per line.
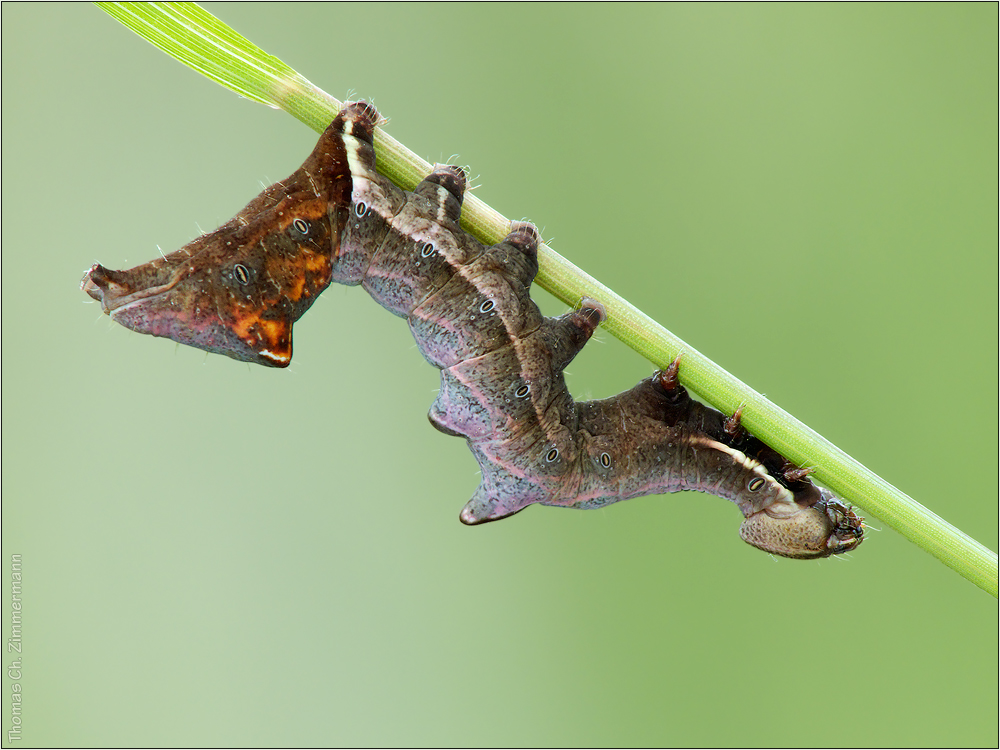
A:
(238, 290)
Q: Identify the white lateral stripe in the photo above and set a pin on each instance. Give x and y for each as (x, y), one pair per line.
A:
(784, 494)
(273, 356)
(442, 201)
(361, 178)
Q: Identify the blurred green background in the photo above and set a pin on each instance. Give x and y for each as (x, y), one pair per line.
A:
(218, 554)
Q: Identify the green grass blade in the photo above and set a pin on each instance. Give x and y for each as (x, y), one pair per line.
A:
(199, 40)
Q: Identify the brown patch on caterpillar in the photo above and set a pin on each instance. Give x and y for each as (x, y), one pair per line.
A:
(238, 290)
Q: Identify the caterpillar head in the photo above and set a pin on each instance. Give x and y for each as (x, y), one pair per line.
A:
(825, 528)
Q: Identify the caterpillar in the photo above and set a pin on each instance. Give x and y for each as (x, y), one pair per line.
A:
(238, 291)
